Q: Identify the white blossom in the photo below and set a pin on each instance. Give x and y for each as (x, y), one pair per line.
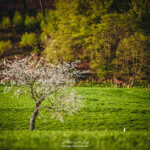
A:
(40, 80)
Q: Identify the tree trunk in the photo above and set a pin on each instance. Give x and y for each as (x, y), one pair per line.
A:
(34, 115)
(32, 119)
(41, 6)
(24, 5)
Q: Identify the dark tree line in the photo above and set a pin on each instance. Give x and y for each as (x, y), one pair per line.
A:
(112, 37)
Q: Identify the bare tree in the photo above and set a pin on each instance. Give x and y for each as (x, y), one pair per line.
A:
(41, 81)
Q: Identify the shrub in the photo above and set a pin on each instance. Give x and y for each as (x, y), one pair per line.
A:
(5, 23)
(30, 21)
(4, 46)
(49, 25)
(43, 37)
(39, 17)
(17, 19)
(28, 39)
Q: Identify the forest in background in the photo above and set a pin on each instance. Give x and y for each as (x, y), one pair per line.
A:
(110, 37)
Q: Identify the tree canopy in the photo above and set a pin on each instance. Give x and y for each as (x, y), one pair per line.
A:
(102, 33)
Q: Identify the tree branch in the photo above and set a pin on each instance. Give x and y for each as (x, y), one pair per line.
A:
(57, 110)
(45, 107)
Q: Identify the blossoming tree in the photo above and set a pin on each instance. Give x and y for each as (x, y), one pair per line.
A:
(39, 80)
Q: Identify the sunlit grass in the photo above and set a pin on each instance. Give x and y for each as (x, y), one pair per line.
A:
(106, 113)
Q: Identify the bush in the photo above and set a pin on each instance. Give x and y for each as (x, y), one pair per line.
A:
(4, 46)
(49, 25)
(28, 39)
(17, 19)
(5, 23)
(39, 17)
(43, 37)
(30, 21)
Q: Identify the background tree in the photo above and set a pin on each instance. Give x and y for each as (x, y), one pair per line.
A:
(42, 82)
(93, 31)
(140, 13)
(132, 61)
(105, 39)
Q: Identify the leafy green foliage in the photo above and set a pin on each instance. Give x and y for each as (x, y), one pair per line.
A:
(97, 32)
(5, 23)
(107, 35)
(93, 31)
(140, 12)
(5, 46)
(30, 21)
(49, 24)
(17, 19)
(39, 17)
(28, 39)
(43, 38)
(131, 58)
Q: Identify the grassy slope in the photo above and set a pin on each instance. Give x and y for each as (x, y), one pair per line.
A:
(105, 109)
(106, 113)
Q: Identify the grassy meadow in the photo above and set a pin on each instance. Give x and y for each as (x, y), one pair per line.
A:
(111, 118)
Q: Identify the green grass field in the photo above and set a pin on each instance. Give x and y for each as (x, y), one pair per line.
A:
(98, 125)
